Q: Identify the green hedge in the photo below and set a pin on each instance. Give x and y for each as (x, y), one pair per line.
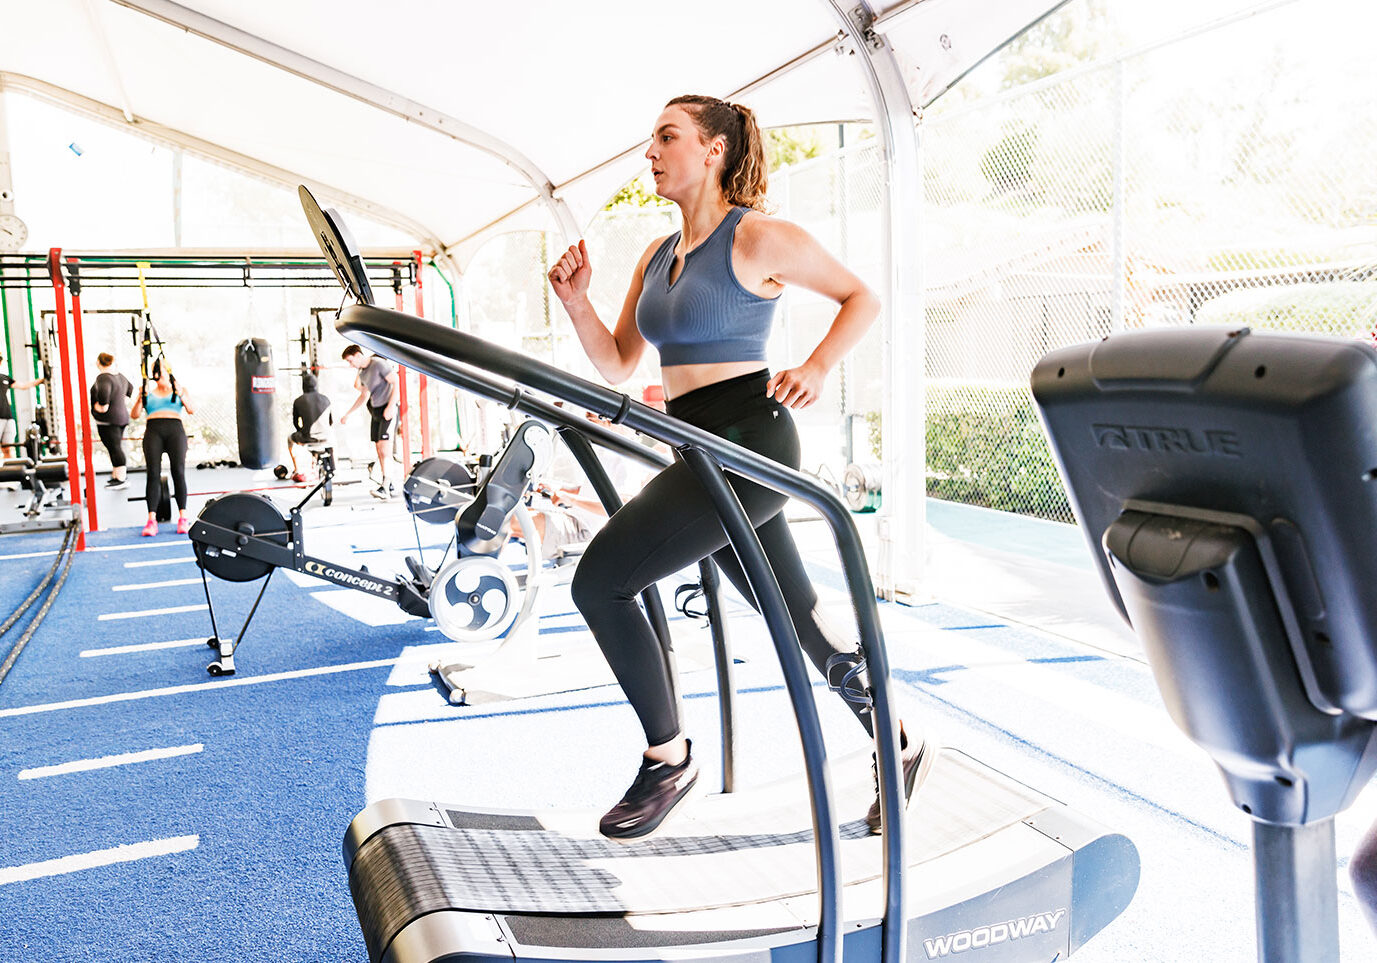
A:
(985, 446)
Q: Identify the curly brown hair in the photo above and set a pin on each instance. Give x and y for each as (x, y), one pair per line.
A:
(744, 168)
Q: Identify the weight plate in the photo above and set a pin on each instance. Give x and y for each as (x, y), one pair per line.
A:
(474, 599)
(437, 489)
(861, 487)
(241, 512)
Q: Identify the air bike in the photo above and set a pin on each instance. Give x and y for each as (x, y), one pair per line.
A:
(986, 870)
(1225, 480)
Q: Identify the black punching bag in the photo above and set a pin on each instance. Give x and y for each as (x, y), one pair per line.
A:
(255, 389)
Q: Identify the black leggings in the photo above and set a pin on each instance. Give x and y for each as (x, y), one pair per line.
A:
(164, 435)
(670, 525)
(112, 437)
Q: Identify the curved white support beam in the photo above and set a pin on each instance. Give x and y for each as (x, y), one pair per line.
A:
(107, 56)
(899, 569)
(169, 137)
(326, 76)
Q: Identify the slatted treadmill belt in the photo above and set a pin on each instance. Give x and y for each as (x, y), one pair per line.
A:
(711, 860)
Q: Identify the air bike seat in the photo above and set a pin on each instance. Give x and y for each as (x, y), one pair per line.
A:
(983, 869)
(1226, 482)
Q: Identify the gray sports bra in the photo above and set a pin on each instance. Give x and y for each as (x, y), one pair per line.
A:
(706, 315)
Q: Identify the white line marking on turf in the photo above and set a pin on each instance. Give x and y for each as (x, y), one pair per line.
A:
(143, 647)
(152, 585)
(89, 548)
(127, 853)
(161, 561)
(109, 762)
(196, 687)
(174, 610)
(125, 548)
(28, 555)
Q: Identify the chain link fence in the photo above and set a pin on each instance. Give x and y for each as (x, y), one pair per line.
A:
(1221, 178)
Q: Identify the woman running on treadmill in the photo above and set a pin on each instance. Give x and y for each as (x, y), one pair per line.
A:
(705, 297)
(164, 404)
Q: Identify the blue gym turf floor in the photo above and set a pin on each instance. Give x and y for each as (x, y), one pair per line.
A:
(150, 812)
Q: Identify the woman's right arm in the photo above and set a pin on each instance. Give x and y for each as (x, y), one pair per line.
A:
(614, 353)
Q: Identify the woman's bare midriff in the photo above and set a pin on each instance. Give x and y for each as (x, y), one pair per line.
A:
(680, 379)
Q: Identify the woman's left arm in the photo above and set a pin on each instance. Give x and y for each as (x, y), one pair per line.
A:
(784, 253)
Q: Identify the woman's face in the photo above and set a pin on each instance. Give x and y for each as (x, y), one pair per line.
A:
(164, 378)
(679, 159)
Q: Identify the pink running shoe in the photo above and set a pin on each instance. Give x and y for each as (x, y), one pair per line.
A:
(151, 528)
(183, 525)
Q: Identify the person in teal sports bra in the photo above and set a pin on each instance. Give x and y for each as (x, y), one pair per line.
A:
(164, 403)
(705, 297)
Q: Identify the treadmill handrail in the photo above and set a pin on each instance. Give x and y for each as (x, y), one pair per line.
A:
(461, 376)
(386, 331)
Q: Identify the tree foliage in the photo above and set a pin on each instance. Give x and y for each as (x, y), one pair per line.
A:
(1078, 33)
(783, 146)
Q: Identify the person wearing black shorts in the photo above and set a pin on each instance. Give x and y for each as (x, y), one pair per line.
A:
(705, 297)
(109, 408)
(377, 384)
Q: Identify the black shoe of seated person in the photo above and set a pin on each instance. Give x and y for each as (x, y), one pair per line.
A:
(658, 790)
(917, 759)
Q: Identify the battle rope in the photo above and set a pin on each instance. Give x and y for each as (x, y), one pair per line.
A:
(64, 557)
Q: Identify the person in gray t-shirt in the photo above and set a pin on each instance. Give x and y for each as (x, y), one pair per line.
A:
(377, 384)
(110, 410)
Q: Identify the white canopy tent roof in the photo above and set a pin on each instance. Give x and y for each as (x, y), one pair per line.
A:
(454, 121)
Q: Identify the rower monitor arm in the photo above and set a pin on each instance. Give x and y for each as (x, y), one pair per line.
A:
(482, 525)
(338, 246)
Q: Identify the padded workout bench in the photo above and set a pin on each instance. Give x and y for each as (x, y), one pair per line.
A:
(36, 477)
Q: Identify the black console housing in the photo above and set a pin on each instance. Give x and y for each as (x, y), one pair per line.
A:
(1227, 481)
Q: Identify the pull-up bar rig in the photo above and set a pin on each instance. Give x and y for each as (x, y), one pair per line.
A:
(123, 271)
(27, 272)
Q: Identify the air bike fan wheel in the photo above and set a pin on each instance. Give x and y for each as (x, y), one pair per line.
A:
(249, 515)
(474, 598)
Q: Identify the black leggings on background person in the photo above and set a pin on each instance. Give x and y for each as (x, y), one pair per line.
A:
(671, 525)
(164, 435)
(112, 437)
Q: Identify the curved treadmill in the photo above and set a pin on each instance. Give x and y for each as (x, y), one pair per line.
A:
(995, 871)
(980, 869)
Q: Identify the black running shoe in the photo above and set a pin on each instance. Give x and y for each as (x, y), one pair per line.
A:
(657, 791)
(917, 763)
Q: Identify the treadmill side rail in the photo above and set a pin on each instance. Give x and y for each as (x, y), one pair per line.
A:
(438, 935)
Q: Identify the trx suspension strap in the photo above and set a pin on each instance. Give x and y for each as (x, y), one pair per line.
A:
(146, 337)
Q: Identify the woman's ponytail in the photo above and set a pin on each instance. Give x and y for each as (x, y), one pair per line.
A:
(745, 171)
